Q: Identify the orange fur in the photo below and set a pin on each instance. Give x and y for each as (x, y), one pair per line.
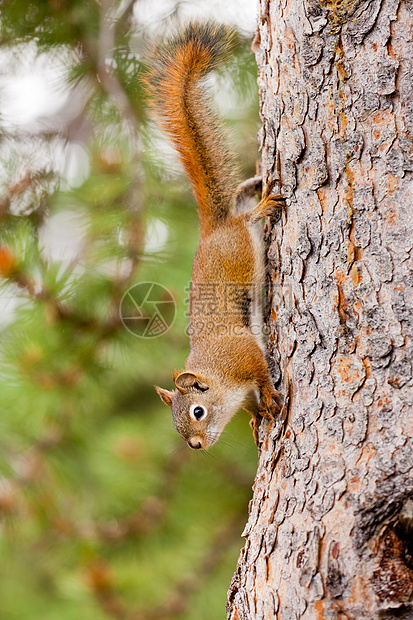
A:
(177, 98)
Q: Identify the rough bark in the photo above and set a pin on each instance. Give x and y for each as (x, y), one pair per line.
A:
(330, 531)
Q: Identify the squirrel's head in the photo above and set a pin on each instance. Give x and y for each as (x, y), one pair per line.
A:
(198, 412)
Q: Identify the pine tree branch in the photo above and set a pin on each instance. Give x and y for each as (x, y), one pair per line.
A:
(105, 73)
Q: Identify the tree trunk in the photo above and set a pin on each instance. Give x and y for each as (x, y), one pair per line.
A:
(330, 530)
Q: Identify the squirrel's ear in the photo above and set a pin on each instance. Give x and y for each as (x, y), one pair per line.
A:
(165, 395)
(186, 381)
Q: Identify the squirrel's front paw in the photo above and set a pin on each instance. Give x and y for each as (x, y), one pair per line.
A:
(270, 408)
(271, 405)
(255, 423)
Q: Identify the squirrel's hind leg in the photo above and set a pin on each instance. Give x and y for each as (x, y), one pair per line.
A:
(245, 195)
(270, 204)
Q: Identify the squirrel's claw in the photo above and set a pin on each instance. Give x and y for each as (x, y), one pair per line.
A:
(255, 423)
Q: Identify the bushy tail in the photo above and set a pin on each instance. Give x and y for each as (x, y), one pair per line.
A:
(179, 102)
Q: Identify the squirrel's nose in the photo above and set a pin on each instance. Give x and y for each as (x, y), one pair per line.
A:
(195, 443)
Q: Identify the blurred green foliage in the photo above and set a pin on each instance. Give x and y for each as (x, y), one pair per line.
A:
(104, 512)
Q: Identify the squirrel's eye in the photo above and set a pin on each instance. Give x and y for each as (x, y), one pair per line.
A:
(198, 412)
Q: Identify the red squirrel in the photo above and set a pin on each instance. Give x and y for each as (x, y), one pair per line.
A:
(226, 370)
